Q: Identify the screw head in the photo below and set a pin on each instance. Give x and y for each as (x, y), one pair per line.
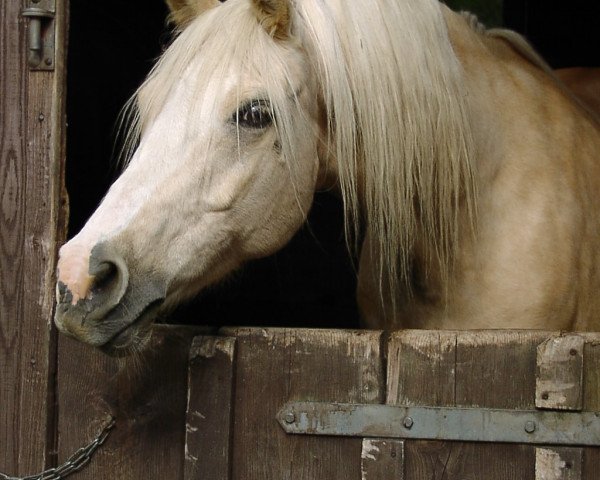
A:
(48, 61)
(530, 426)
(408, 423)
(289, 418)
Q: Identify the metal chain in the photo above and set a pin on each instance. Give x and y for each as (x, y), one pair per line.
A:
(75, 462)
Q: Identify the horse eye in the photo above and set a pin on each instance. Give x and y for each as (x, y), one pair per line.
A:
(254, 114)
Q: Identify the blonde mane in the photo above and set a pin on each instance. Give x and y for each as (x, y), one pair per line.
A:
(399, 126)
(392, 87)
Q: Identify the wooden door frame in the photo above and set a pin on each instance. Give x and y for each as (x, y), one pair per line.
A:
(33, 211)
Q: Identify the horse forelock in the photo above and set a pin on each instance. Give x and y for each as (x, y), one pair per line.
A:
(209, 45)
(398, 121)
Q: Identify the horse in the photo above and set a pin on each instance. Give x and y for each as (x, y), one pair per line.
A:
(584, 83)
(469, 174)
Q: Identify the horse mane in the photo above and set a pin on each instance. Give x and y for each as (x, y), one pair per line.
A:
(399, 128)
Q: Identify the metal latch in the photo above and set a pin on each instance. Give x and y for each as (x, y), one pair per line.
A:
(41, 34)
(442, 423)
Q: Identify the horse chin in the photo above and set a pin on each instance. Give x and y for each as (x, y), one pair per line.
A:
(133, 338)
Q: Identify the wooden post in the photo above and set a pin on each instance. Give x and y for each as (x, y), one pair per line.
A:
(32, 130)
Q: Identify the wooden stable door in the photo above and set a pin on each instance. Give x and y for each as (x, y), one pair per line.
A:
(32, 214)
(205, 407)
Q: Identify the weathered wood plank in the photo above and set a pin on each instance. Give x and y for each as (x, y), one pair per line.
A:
(209, 409)
(480, 369)
(146, 393)
(558, 464)
(591, 399)
(382, 459)
(421, 371)
(32, 122)
(559, 379)
(277, 366)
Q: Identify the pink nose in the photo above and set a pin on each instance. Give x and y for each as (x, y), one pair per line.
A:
(73, 272)
(90, 285)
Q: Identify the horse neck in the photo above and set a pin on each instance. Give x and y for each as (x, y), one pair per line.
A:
(508, 90)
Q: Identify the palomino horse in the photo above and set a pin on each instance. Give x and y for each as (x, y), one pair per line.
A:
(464, 165)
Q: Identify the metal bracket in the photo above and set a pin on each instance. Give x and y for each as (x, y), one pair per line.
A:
(41, 34)
(440, 423)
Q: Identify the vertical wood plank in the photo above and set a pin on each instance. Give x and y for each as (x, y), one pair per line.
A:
(209, 409)
(421, 371)
(32, 121)
(382, 459)
(479, 369)
(146, 393)
(277, 366)
(591, 398)
(558, 464)
(559, 378)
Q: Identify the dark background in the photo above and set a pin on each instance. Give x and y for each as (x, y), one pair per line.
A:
(311, 282)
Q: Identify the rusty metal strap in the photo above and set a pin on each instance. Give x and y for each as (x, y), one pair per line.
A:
(440, 423)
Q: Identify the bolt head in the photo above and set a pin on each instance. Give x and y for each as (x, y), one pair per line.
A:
(408, 423)
(530, 426)
(289, 418)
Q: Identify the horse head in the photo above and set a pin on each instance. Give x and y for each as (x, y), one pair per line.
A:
(227, 163)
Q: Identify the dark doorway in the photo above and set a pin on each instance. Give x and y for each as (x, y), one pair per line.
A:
(567, 34)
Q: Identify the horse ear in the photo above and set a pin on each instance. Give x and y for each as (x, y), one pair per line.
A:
(274, 16)
(184, 11)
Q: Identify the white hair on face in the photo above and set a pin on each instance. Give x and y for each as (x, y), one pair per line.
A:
(225, 37)
(393, 89)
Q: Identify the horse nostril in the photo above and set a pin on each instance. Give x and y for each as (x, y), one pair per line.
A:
(111, 277)
(106, 277)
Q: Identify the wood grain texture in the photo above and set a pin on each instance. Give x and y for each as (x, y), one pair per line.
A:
(382, 459)
(147, 395)
(32, 129)
(558, 463)
(591, 399)
(480, 369)
(209, 410)
(559, 378)
(277, 366)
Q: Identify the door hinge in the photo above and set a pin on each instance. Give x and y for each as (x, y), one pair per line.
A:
(442, 423)
(40, 34)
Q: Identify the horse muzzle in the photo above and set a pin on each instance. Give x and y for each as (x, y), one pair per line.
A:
(107, 306)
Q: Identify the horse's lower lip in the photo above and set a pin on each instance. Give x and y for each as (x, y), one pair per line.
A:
(134, 336)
